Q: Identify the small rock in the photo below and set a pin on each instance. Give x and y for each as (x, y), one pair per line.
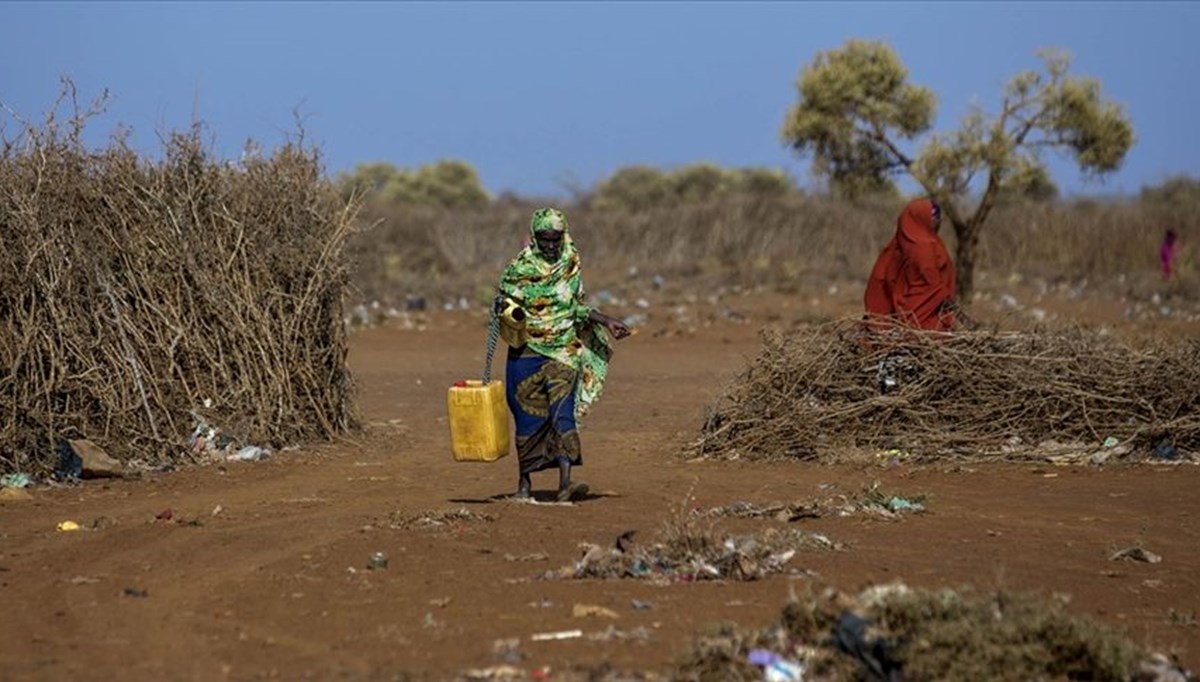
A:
(96, 462)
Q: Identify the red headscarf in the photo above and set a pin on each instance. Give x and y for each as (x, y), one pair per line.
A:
(913, 278)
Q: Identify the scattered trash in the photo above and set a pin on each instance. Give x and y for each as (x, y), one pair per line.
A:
(250, 453)
(658, 282)
(778, 511)
(17, 480)
(67, 526)
(893, 371)
(1165, 450)
(899, 504)
(612, 633)
(536, 556)
(496, 672)
(1160, 668)
(642, 303)
(640, 605)
(165, 515)
(441, 603)
(208, 439)
(84, 580)
(377, 561)
(875, 654)
(894, 456)
(775, 667)
(217, 510)
(508, 650)
(437, 518)
(430, 621)
(687, 551)
(70, 466)
(587, 610)
(553, 636)
(1136, 554)
(1111, 442)
(134, 592)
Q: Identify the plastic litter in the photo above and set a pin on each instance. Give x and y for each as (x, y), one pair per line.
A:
(874, 654)
(378, 561)
(70, 465)
(586, 610)
(1111, 442)
(250, 453)
(775, 667)
(17, 480)
(553, 636)
(1165, 450)
(898, 504)
(67, 526)
(1136, 554)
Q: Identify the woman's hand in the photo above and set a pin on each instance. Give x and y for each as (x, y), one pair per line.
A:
(617, 328)
(614, 326)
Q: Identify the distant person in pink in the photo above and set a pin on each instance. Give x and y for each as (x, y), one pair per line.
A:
(1167, 253)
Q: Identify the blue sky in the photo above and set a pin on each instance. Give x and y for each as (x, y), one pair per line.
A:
(534, 93)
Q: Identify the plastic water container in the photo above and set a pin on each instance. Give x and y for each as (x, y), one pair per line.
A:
(478, 421)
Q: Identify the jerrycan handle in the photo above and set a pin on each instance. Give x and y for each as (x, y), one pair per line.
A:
(493, 334)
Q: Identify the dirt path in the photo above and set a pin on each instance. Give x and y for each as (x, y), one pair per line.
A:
(264, 587)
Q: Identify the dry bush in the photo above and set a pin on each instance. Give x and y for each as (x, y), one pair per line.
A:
(953, 635)
(132, 290)
(816, 391)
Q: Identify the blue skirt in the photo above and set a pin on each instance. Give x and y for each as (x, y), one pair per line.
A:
(541, 397)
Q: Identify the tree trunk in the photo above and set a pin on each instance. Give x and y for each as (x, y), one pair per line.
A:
(964, 259)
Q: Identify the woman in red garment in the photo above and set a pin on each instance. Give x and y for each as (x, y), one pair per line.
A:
(913, 280)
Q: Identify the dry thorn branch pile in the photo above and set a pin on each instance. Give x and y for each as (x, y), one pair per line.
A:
(133, 290)
(816, 391)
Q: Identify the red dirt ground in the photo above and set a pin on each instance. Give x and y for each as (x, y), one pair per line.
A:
(264, 588)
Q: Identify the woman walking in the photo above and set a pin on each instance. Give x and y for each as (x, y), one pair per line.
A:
(553, 378)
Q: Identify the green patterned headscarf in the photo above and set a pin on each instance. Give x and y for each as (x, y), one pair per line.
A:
(556, 313)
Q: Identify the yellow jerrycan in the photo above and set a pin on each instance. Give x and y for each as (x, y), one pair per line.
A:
(478, 421)
(478, 412)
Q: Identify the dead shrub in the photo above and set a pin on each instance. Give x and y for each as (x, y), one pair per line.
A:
(953, 635)
(980, 394)
(133, 290)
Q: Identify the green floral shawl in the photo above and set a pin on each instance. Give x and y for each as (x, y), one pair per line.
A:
(556, 313)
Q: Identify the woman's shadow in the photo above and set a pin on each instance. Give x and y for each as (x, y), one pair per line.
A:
(542, 497)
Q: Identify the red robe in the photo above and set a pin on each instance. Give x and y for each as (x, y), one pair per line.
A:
(913, 279)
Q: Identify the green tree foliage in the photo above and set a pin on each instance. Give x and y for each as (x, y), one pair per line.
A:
(634, 188)
(857, 112)
(761, 182)
(1179, 190)
(642, 187)
(447, 184)
(1028, 182)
